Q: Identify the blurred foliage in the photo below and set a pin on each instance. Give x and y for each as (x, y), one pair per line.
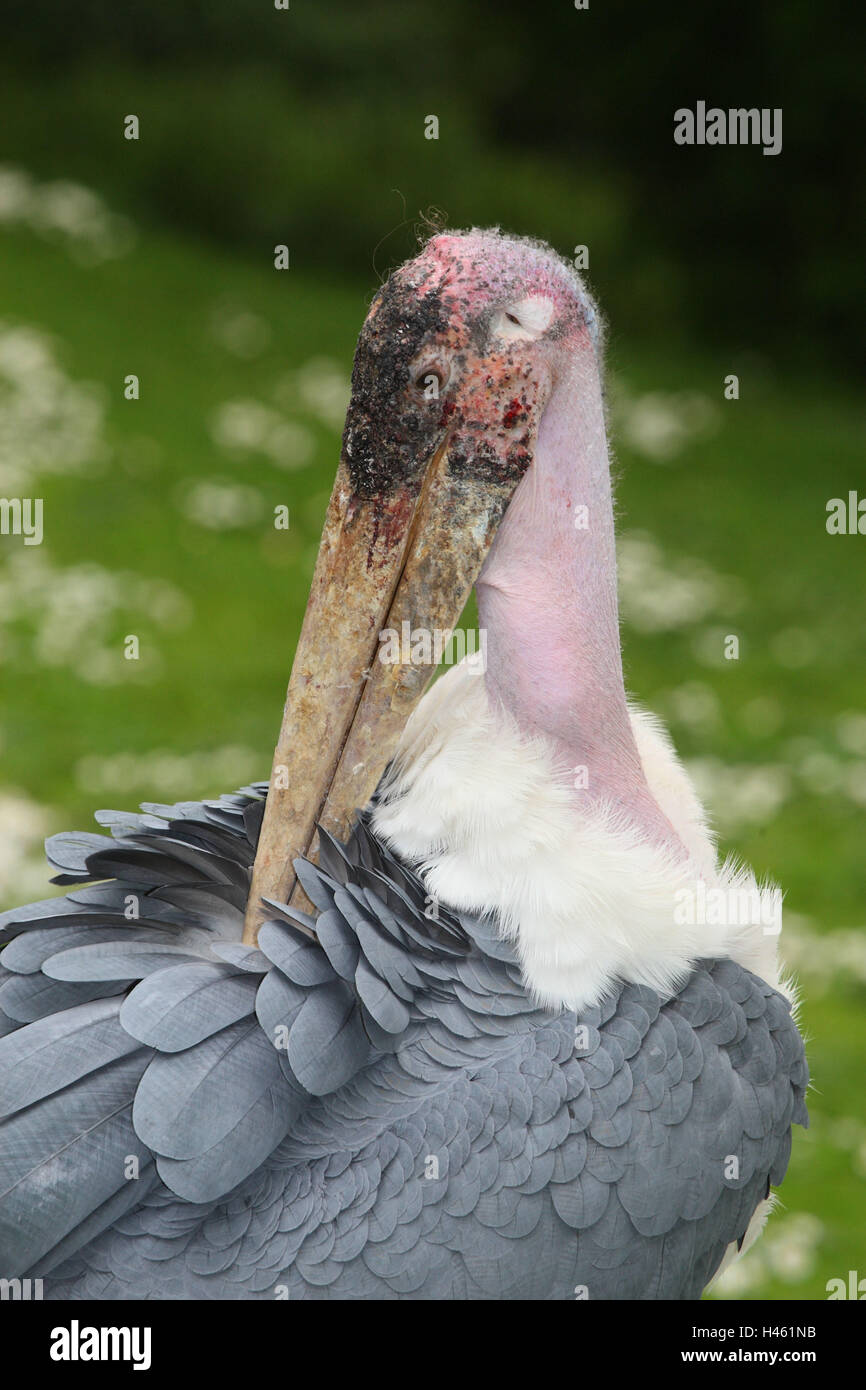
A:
(205, 328)
(305, 126)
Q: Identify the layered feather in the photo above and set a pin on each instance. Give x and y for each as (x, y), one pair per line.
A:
(381, 1110)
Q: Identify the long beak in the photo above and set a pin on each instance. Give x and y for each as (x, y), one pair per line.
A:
(412, 556)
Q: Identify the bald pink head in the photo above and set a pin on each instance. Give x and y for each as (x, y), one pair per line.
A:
(484, 271)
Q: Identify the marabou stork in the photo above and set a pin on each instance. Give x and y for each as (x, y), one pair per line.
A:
(469, 1046)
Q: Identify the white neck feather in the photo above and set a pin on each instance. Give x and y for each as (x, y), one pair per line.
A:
(494, 828)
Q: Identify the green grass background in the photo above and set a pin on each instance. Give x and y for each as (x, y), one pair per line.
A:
(749, 500)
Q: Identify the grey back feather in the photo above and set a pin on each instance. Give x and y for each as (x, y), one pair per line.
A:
(378, 1110)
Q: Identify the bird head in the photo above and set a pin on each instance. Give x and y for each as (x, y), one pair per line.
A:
(465, 340)
(457, 359)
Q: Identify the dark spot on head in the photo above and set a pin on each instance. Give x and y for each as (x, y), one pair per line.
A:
(388, 438)
(515, 414)
(476, 458)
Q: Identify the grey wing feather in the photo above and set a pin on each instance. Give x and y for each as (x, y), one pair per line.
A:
(187, 1003)
(64, 1157)
(49, 1055)
(368, 1105)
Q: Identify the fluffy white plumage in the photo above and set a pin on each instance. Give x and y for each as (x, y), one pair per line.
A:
(495, 828)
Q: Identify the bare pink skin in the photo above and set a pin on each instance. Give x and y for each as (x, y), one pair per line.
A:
(547, 594)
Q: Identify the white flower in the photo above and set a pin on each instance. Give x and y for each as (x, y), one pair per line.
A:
(24, 824)
(660, 593)
(222, 505)
(660, 424)
(165, 773)
(250, 426)
(324, 389)
(64, 211)
(694, 704)
(70, 616)
(851, 731)
(240, 331)
(48, 422)
(740, 794)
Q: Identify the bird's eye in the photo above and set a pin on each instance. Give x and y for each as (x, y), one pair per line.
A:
(430, 381)
(525, 321)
